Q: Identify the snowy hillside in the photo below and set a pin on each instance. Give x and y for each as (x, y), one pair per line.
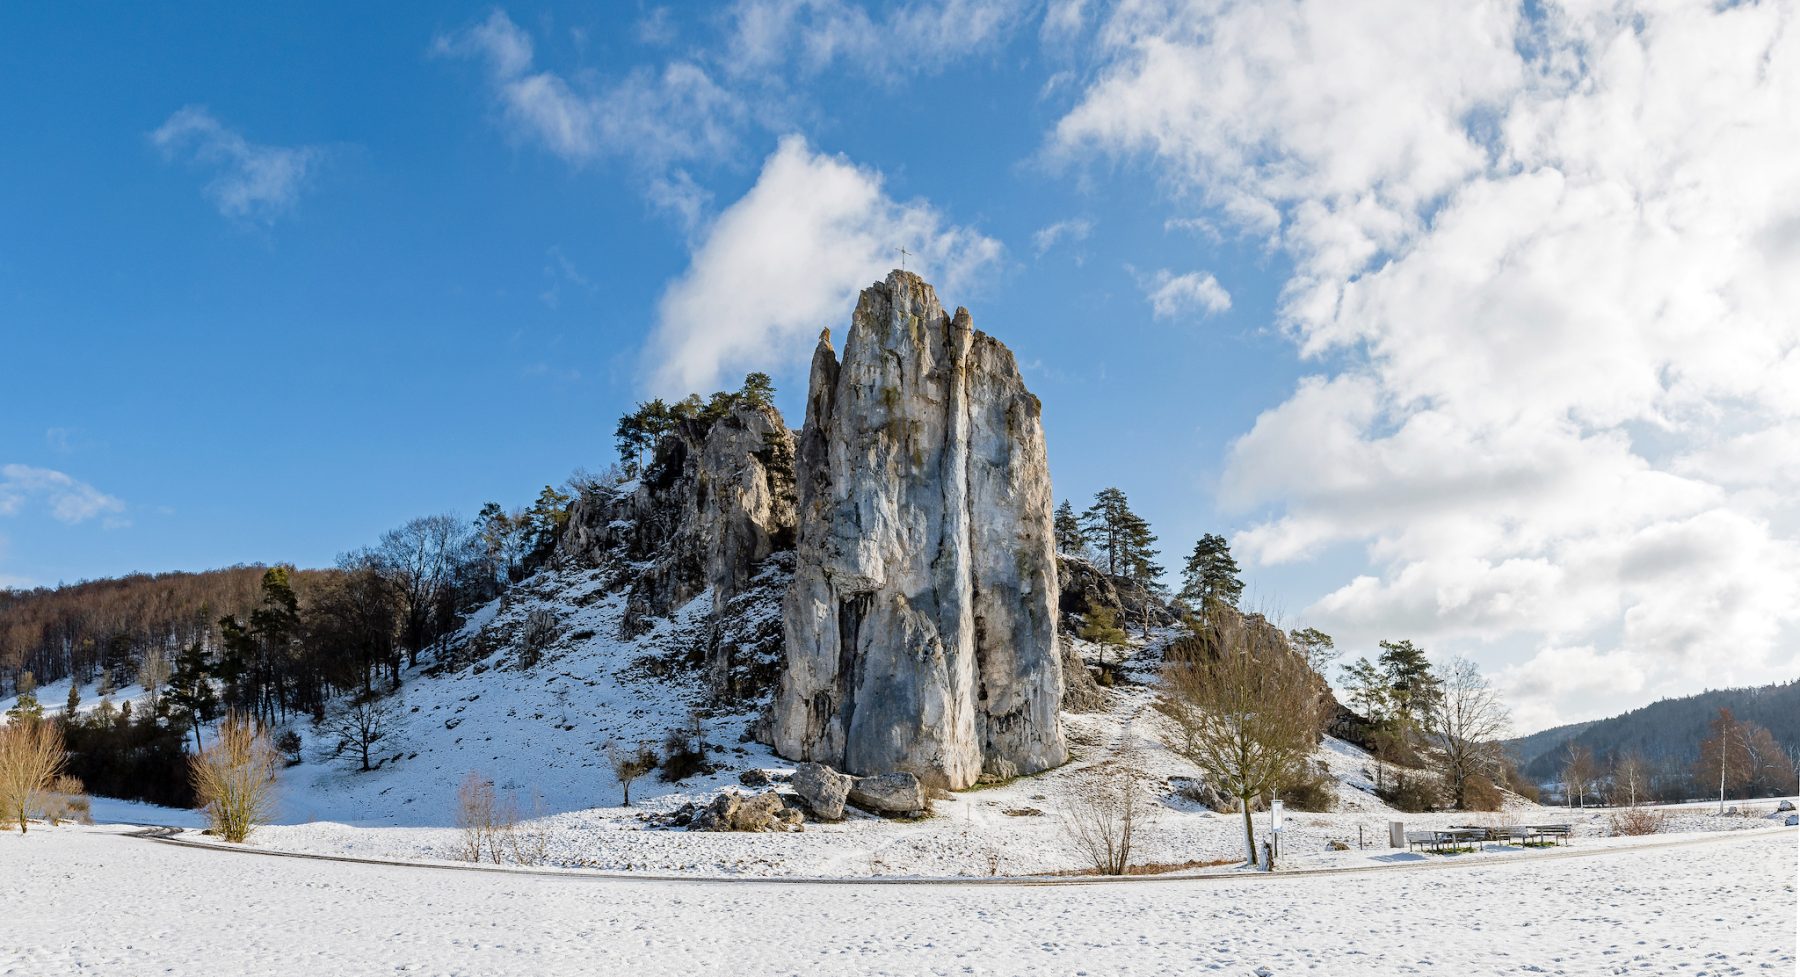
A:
(541, 730)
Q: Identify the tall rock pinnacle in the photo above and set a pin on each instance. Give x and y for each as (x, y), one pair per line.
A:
(921, 622)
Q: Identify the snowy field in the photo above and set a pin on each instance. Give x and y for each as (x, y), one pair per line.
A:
(89, 900)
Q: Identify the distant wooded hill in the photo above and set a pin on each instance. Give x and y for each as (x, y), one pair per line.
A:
(1662, 731)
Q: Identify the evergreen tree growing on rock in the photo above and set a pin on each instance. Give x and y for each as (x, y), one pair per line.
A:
(1120, 537)
(1211, 575)
(1069, 537)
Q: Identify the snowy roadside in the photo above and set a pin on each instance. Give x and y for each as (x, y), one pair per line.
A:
(1725, 908)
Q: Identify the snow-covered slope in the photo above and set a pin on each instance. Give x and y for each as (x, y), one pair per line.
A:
(540, 729)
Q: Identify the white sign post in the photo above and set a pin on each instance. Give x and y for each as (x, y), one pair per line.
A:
(1277, 824)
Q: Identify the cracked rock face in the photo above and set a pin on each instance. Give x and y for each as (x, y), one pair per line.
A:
(712, 506)
(921, 621)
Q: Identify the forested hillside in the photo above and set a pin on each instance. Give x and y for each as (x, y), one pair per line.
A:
(81, 628)
(1669, 730)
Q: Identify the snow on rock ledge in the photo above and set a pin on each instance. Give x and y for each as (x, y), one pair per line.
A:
(921, 622)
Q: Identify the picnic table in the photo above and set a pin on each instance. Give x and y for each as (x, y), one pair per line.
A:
(1438, 838)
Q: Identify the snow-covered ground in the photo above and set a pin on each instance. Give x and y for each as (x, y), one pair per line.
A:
(84, 900)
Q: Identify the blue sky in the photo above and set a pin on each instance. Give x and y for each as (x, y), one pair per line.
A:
(273, 280)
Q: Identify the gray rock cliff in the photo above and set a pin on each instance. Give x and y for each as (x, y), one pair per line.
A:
(713, 505)
(921, 621)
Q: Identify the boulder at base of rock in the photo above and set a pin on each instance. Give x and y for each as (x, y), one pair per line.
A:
(822, 789)
(889, 793)
(739, 812)
(755, 778)
(1785, 806)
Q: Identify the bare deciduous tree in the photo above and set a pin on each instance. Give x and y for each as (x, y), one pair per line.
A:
(360, 724)
(1247, 712)
(1631, 777)
(31, 758)
(1578, 774)
(234, 780)
(628, 764)
(1467, 721)
(153, 674)
(1109, 805)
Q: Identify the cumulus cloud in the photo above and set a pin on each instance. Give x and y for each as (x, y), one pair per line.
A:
(651, 117)
(1047, 237)
(69, 500)
(1558, 251)
(788, 258)
(1173, 295)
(251, 181)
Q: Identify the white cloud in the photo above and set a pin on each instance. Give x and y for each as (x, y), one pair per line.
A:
(653, 118)
(1173, 295)
(788, 259)
(1559, 254)
(915, 38)
(69, 500)
(251, 181)
(1074, 229)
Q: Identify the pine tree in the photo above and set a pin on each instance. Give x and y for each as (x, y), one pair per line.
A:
(1413, 687)
(1142, 568)
(73, 708)
(1101, 626)
(190, 697)
(27, 707)
(1108, 524)
(1211, 575)
(1069, 538)
(758, 390)
(1316, 645)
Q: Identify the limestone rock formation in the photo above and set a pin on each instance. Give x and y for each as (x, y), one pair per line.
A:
(921, 621)
(713, 505)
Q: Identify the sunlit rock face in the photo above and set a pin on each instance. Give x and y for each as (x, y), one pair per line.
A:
(921, 622)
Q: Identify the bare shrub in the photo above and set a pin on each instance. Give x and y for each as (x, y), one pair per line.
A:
(234, 779)
(1413, 793)
(1314, 790)
(475, 813)
(1638, 821)
(1109, 805)
(684, 751)
(628, 764)
(66, 800)
(527, 839)
(31, 758)
(487, 822)
(1481, 794)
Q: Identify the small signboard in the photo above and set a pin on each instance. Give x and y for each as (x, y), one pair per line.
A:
(1277, 820)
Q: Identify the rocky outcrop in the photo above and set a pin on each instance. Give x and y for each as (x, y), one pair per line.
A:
(1085, 584)
(712, 506)
(921, 623)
